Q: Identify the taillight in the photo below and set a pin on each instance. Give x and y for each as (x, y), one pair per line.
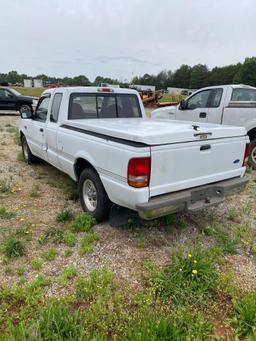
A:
(139, 172)
(246, 154)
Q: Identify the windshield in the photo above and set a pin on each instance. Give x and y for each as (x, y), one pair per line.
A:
(15, 92)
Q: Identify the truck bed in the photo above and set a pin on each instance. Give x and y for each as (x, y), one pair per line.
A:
(154, 131)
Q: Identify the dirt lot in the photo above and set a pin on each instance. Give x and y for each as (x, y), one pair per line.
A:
(37, 194)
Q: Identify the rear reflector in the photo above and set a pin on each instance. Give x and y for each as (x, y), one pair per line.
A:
(246, 154)
(139, 172)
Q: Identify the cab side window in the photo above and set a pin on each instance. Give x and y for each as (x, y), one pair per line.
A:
(42, 109)
(5, 93)
(240, 95)
(55, 107)
(215, 98)
(199, 100)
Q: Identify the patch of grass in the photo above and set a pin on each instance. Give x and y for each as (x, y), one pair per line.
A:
(68, 253)
(69, 238)
(86, 243)
(65, 215)
(49, 255)
(21, 271)
(35, 191)
(13, 247)
(16, 137)
(182, 325)
(83, 222)
(4, 187)
(8, 270)
(99, 283)
(253, 250)
(233, 214)
(36, 263)
(226, 238)
(245, 316)
(187, 279)
(34, 92)
(20, 156)
(4, 214)
(51, 235)
(68, 273)
(55, 322)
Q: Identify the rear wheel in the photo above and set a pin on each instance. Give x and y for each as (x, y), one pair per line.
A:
(252, 158)
(93, 196)
(27, 155)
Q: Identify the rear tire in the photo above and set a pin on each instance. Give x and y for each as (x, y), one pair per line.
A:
(252, 157)
(92, 194)
(26, 152)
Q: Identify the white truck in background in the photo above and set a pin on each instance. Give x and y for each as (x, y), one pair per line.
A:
(228, 104)
(102, 139)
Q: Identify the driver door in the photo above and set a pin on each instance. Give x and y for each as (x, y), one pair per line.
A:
(196, 108)
(36, 129)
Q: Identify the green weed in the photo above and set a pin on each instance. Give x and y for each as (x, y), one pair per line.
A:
(65, 215)
(187, 279)
(49, 255)
(13, 247)
(4, 214)
(83, 222)
(51, 235)
(36, 263)
(87, 241)
(245, 316)
(69, 238)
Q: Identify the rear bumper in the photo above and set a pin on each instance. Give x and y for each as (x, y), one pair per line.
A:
(190, 200)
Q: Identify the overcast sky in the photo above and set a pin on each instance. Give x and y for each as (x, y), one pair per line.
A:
(122, 38)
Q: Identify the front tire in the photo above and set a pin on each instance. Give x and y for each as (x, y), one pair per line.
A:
(93, 197)
(26, 152)
(252, 157)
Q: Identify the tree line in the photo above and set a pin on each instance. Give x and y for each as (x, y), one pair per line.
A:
(185, 76)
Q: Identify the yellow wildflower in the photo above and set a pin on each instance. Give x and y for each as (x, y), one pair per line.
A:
(21, 219)
(180, 269)
(195, 261)
(194, 272)
(189, 255)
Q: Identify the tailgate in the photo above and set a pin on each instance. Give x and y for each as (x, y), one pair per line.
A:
(180, 166)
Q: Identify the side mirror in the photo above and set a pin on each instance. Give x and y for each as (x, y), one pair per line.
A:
(183, 104)
(26, 115)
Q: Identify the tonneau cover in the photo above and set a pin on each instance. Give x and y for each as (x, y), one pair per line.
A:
(156, 131)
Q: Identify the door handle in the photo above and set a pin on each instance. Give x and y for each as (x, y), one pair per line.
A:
(202, 115)
(41, 129)
(205, 147)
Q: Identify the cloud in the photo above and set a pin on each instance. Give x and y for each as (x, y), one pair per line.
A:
(123, 38)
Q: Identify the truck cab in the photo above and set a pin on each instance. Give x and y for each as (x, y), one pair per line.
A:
(227, 104)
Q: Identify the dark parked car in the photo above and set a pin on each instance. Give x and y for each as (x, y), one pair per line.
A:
(11, 99)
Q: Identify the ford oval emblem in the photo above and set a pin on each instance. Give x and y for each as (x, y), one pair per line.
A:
(236, 161)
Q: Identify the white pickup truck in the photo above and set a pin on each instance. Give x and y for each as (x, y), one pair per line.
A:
(228, 104)
(102, 139)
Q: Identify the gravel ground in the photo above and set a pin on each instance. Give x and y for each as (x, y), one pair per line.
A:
(122, 250)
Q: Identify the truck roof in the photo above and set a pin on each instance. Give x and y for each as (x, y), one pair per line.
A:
(229, 85)
(91, 89)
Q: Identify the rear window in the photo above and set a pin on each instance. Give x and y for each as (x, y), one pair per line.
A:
(240, 95)
(86, 106)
